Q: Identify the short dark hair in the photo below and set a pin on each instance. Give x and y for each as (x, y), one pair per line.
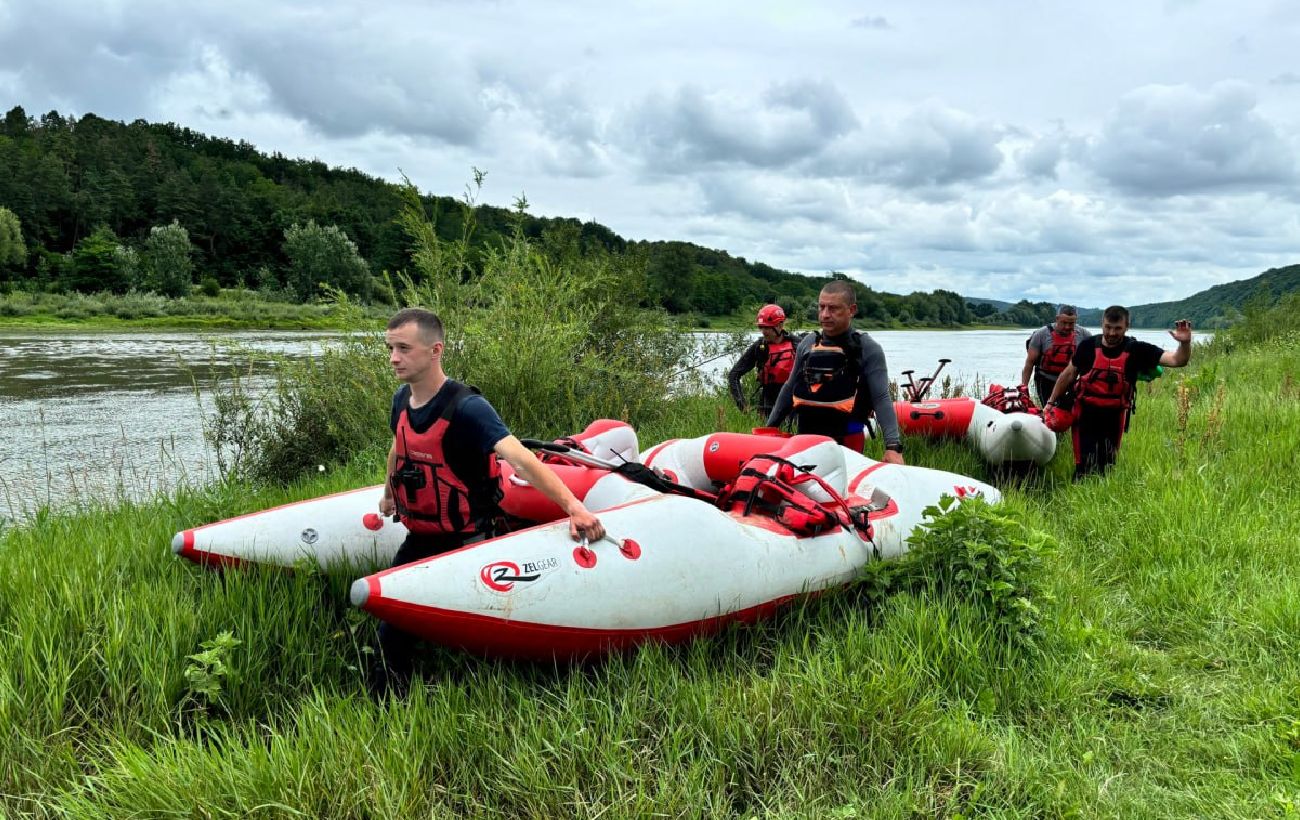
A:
(1067, 310)
(841, 287)
(428, 322)
(1115, 313)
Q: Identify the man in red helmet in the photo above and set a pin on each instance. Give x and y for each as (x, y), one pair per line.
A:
(772, 355)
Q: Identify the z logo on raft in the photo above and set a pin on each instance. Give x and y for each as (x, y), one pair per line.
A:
(501, 576)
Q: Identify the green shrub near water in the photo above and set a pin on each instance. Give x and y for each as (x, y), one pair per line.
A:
(553, 340)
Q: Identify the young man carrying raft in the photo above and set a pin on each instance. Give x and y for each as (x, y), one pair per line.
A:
(443, 479)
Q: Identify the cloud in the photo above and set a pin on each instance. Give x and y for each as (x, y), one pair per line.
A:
(1041, 157)
(778, 199)
(1171, 140)
(689, 127)
(868, 21)
(346, 83)
(102, 63)
(931, 146)
(1286, 78)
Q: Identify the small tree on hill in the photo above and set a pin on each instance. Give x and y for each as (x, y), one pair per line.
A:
(97, 264)
(169, 269)
(13, 252)
(325, 255)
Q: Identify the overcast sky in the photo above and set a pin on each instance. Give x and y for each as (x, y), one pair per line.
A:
(1093, 152)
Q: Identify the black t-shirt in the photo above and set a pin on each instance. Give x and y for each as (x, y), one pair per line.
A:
(473, 431)
(1142, 356)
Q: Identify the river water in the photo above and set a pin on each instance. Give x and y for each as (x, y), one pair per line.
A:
(88, 415)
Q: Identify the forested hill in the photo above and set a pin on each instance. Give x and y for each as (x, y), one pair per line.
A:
(1220, 305)
(88, 195)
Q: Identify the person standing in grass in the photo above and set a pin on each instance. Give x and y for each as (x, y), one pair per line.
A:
(444, 482)
(772, 355)
(1103, 376)
(839, 378)
(1050, 349)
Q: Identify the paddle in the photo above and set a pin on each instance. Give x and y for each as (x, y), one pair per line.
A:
(631, 470)
(923, 388)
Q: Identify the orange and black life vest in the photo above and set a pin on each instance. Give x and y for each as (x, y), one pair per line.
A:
(1107, 384)
(431, 497)
(778, 361)
(1057, 356)
(830, 376)
(1010, 399)
(826, 389)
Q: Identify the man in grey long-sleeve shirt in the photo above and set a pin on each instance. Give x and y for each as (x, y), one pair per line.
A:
(839, 378)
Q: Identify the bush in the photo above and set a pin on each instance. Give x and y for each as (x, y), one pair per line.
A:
(169, 269)
(324, 255)
(979, 554)
(210, 287)
(13, 252)
(98, 265)
(552, 343)
(320, 410)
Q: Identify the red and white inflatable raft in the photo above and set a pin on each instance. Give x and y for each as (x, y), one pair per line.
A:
(1001, 438)
(754, 522)
(672, 566)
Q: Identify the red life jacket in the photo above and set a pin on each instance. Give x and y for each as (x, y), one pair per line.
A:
(431, 498)
(1055, 358)
(1010, 399)
(778, 362)
(778, 494)
(1107, 384)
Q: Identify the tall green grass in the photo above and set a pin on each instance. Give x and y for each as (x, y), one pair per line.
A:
(1164, 683)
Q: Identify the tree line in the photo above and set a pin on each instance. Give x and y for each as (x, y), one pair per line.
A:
(89, 204)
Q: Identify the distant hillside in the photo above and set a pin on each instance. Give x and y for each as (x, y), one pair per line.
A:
(996, 303)
(1219, 305)
(1215, 307)
(87, 193)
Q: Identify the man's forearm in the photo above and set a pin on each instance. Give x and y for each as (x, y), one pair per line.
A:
(737, 392)
(390, 468)
(1063, 381)
(538, 474)
(883, 405)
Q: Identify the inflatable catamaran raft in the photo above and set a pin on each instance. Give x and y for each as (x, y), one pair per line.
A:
(1005, 428)
(701, 532)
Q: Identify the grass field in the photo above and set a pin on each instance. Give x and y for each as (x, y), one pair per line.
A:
(233, 309)
(1166, 683)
